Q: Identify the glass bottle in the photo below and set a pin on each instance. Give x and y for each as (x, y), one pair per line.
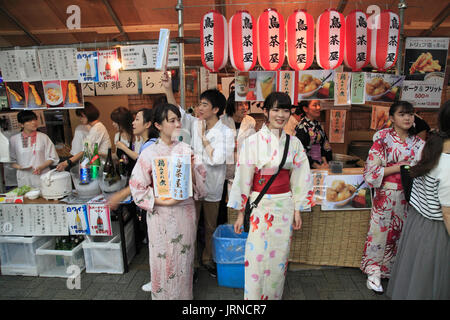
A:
(85, 174)
(95, 163)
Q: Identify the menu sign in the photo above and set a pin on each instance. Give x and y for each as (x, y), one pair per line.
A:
(151, 82)
(127, 84)
(28, 65)
(8, 65)
(357, 90)
(425, 65)
(337, 125)
(87, 66)
(144, 56)
(106, 69)
(58, 64)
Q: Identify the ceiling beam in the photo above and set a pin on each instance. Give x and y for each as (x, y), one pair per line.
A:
(20, 25)
(437, 21)
(116, 19)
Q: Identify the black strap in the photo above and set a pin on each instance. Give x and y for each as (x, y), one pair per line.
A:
(272, 178)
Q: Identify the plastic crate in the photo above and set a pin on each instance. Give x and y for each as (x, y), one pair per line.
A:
(104, 254)
(229, 254)
(18, 254)
(54, 263)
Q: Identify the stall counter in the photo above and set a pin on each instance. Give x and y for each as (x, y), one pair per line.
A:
(331, 238)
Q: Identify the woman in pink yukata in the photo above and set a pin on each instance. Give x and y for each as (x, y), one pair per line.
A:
(392, 148)
(172, 225)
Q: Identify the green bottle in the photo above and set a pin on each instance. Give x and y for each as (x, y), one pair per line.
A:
(95, 163)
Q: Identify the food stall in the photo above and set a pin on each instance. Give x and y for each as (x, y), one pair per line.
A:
(354, 80)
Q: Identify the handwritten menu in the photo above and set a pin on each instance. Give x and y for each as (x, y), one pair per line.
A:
(358, 84)
(286, 83)
(8, 65)
(28, 65)
(127, 84)
(99, 220)
(319, 188)
(342, 88)
(106, 69)
(337, 125)
(87, 65)
(33, 219)
(172, 176)
(58, 64)
(151, 82)
(208, 80)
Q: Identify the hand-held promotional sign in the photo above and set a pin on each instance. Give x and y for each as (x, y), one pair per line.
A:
(385, 36)
(242, 41)
(330, 39)
(300, 40)
(271, 36)
(214, 41)
(357, 41)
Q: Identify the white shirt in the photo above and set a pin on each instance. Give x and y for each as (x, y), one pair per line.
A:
(81, 131)
(98, 134)
(32, 157)
(221, 139)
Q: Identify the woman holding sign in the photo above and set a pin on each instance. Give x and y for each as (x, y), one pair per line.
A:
(161, 183)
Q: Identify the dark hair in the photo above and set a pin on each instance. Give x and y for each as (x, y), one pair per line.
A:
(147, 115)
(300, 107)
(25, 116)
(433, 147)
(90, 112)
(160, 100)
(216, 98)
(161, 113)
(282, 100)
(123, 117)
(230, 109)
(405, 107)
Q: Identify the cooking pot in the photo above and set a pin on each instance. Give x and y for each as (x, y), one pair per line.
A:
(55, 184)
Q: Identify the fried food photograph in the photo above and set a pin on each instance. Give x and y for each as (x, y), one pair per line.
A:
(425, 63)
(308, 83)
(36, 95)
(53, 94)
(381, 118)
(377, 86)
(14, 94)
(73, 97)
(339, 191)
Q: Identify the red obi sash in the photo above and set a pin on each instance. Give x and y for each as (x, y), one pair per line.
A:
(281, 184)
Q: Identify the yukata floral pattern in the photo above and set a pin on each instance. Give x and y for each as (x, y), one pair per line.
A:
(172, 230)
(268, 242)
(389, 207)
(310, 132)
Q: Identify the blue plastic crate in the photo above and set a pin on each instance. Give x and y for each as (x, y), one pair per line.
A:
(229, 254)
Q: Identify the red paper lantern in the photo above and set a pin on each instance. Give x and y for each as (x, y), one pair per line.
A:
(242, 41)
(330, 39)
(385, 35)
(214, 41)
(357, 40)
(271, 36)
(300, 40)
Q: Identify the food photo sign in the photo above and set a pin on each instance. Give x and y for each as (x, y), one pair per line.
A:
(346, 192)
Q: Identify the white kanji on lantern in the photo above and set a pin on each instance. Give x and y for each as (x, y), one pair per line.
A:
(357, 40)
(300, 40)
(242, 41)
(271, 37)
(330, 39)
(214, 41)
(385, 36)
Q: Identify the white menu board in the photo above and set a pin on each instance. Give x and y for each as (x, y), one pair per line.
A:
(8, 65)
(33, 219)
(47, 59)
(106, 69)
(66, 63)
(144, 56)
(28, 65)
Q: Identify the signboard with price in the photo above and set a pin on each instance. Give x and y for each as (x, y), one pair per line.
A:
(425, 66)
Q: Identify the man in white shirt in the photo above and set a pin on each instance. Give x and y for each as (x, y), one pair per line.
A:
(213, 142)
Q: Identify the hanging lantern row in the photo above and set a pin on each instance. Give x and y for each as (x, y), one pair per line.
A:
(354, 40)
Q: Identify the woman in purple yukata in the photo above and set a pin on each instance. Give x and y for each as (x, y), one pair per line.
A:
(172, 225)
(392, 148)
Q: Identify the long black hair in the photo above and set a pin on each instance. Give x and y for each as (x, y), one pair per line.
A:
(161, 113)
(433, 147)
(230, 108)
(405, 107)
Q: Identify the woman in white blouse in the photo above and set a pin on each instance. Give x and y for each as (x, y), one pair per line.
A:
(97, 134)
(422, 267)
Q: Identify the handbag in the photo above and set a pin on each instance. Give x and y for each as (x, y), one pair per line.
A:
(249, 207)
